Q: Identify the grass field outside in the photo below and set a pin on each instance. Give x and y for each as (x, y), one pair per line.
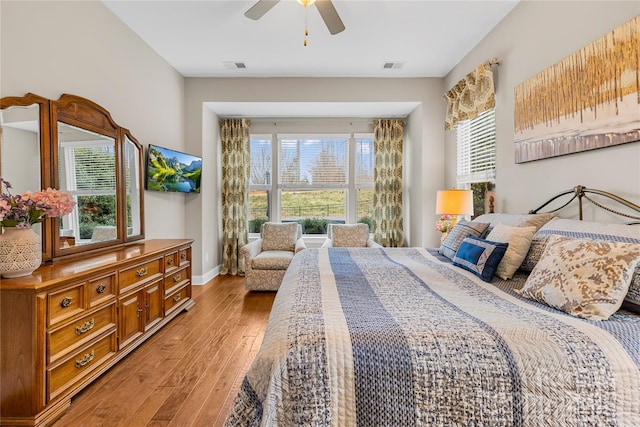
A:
(314, 209)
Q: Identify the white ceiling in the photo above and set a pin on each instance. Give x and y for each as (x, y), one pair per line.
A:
(199, 38)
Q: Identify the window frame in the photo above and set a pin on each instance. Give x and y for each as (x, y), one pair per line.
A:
(274, 190)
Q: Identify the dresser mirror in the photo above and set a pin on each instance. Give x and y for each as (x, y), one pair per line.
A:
(24, 144)
(74, 145)
(134, 189)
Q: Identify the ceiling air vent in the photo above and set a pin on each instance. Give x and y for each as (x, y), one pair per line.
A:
(392, 65)
(234, 64)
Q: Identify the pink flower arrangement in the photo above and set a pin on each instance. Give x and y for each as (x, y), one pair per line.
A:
(24, 210)
(444, 223)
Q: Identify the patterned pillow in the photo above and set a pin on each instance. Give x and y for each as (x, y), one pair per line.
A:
(350, 235)
(479, 256)
(279, 237)
(587, 229)
(516, 220)
(462, 229)
(519, 239)
(584, 277)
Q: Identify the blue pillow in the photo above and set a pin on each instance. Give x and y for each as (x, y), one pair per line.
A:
(480, 256)
(462, 229)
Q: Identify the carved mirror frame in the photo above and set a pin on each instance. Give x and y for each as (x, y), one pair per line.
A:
(77, 112)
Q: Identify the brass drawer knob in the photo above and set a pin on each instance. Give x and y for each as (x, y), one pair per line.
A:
(100, 289)
(170, 261)
(183, 256)
(85, 359)
(177, 298)
(85, 327)
(177, 277)
(66, 302)
(143, 271)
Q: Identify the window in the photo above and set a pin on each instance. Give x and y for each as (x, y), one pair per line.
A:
(476, 158)
(315, 180)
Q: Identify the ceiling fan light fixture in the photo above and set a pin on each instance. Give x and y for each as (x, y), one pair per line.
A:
(306, 3)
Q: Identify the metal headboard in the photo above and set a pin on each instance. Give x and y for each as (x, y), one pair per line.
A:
(581, 192)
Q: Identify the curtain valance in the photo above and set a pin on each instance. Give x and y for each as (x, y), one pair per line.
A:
(471, 95)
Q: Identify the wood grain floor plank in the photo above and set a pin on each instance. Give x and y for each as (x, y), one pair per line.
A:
(189, 372)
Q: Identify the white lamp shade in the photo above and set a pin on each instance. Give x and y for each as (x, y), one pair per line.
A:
(454, 202)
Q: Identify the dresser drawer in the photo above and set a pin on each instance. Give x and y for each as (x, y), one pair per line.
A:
(80, 364)
(101, 290)
(184, 256)
(141, 273)
(68, 338)
(65, 303)
(176, 299)
(176, 280)
(171, 262)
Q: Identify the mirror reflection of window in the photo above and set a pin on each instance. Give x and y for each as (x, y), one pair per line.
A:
(87, 170)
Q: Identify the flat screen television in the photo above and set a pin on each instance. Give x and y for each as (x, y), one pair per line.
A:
(170, 170)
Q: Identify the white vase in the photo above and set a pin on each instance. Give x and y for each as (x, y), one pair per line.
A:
(20, 252)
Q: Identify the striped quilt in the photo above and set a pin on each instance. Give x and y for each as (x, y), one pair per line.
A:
(398, 337)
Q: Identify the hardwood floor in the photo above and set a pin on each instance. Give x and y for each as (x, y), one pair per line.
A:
(189, 372)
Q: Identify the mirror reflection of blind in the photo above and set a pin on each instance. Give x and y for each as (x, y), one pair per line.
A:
(364, 161)
(90, 169)
(313, 160)
(476, 151)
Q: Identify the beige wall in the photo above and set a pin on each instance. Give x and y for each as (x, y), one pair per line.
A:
(535, 35)
(54, 47)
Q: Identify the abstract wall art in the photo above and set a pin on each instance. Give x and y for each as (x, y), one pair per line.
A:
(586, 101)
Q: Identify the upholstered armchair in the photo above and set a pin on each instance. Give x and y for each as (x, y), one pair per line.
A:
(267, 258)
(349, 235)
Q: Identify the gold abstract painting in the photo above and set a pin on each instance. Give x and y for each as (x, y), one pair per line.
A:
(586, 101)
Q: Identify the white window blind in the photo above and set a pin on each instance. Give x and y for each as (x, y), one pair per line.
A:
(260, 155)
(476, 151)
(364, 161)
(312, 161)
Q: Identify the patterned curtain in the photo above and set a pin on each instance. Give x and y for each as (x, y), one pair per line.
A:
(470, 96)
(234, 134)
(387, 178)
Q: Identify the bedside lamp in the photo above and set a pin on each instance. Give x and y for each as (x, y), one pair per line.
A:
(454, 202)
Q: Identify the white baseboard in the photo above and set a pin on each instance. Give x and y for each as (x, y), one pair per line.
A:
(202, 280)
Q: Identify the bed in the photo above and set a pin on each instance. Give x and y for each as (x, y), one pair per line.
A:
(405, 336)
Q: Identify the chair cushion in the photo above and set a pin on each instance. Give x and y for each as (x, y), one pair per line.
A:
(279, 237)
(350, 235)
(272, 260)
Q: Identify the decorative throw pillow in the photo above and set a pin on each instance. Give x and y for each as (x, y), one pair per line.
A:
(350, 235)
(462, 229)
(479, 256)
(519, 239)
(279, 237)
(592, 230)
(583, 277)
(516, 220)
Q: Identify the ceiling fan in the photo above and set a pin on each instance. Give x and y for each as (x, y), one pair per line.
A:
(325, 7)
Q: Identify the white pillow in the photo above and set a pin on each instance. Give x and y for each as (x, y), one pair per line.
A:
(583, 277)
(519, 239)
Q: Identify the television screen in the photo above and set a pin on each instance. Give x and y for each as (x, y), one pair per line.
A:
(170, 170)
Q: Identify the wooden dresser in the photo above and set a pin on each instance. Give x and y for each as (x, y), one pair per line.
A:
(70, 321)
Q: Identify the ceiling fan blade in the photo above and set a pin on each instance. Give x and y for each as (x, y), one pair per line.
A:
(260, 8)
(330, 16)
